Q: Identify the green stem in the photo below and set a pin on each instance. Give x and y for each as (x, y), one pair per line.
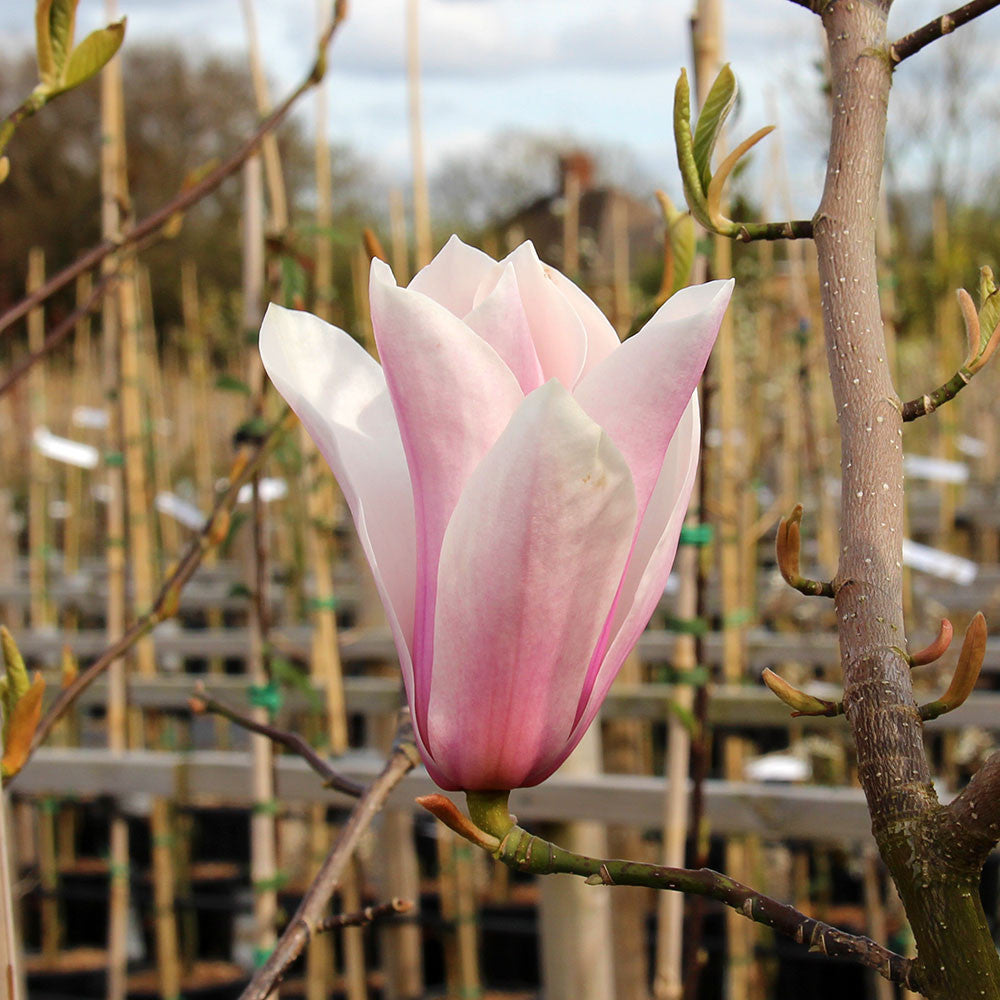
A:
(929, 402)
(525, 852)
(797, 229)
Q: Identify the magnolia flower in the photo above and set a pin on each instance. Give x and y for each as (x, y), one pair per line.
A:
(518, 479)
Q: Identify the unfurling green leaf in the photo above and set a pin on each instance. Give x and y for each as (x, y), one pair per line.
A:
(93, 54)
(4, 168)
(682, 242)
(694, 191)
(62, 27)
(713, 115)
(989, 305)
(230, 383)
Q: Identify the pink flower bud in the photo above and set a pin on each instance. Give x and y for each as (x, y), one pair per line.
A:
(518, 478)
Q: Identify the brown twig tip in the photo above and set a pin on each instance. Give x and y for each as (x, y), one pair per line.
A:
(448, 813)
(800, 702)
(368, 915)
(787, 545)
(970, 663)
(937, 648)
(373, 246)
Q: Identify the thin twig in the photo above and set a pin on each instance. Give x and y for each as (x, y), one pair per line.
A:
(366, 916)
(214, 531)
(61, 330)
(929, 402)
(796, 229)
(909, 44)
(202, 701)
(523, 851)
(187, 197)
(308, 917)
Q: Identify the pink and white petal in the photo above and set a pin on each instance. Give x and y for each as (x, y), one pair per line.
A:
(638, 393)
(529, 567)
(339, 394)
(601, 336)
(651, 561)
(453, 396)
(453, 276)
(556, 330)
(500, 320)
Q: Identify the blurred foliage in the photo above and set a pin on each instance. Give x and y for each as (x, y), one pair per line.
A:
(181, 115)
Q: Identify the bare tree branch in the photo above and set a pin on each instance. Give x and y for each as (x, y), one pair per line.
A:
(214, 531)
(308, 917)
(909, 44)
(974, 816)
(187, 197)
(366, 916)
(202, 701)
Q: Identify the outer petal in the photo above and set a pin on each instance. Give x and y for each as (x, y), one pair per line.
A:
(651, 560)
(339, 393)
(557, 331)
(500, 320)
(601, 336)
(529, 566)
(453, 276)
(453, 396)
(638, 393)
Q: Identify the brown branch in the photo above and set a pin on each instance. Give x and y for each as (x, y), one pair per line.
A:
(186, 197)
(202, 701)
(973, 817)
(308, 917)
(248, 461)
(912, 43)
(523, 851)
(366, 916)
(61, 331)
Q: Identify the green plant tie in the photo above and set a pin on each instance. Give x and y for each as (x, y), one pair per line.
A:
(323, 603)
(268, 808)
(267, 696)
(740, 616)
(261, 955)
(687, 626)
(696, 534)
(114, 458)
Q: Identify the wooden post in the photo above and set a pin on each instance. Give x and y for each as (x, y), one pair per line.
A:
(626, 751)
(421, 198)
(576, 922)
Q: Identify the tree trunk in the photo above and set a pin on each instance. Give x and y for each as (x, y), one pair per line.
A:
(956, 955)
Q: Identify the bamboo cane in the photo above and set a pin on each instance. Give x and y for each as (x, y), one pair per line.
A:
(160, 437)
(421, 198)
(325, 658)
(571, 222)
(278, 201)
(621, 297)
(40, 606)
(112, 169)
(707, 41)
(10, 951)
(263, 848)
(397, 237)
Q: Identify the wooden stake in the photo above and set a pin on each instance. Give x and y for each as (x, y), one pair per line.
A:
(11, 977)
(421, 198)
(397, 236)
(571, 224)
(277, 199)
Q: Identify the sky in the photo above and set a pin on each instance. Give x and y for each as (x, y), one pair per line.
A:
(597, 71)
